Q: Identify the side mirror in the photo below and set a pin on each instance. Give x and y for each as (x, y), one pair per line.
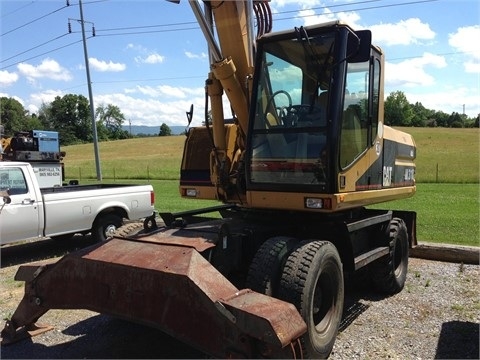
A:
(190, 115)
(5, 197)
(358, 46)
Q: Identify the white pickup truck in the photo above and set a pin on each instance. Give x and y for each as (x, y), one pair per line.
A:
(60, 212)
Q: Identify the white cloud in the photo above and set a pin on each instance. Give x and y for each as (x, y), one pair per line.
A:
(405, 32)
(20, 100)
(465, 40)
(448, 101)
(154, 112)
(166, 91)
(350, 17)
(150, 59)
(104, 66)
(191, 55)
(146, 56)
(49, 69)
(412, 72)
(7, 78)
(37, 99)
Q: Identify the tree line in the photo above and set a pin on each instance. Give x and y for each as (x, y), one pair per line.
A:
(399, 112)
(70, 117)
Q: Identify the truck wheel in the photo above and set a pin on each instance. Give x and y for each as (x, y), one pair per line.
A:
(390, 272)
(130, 229)
(105, 226)
(312, 280)
(266, 267)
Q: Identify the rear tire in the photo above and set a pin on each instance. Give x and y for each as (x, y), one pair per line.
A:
(389, 273)
(267, 264)
(105, 226)
(312, 280)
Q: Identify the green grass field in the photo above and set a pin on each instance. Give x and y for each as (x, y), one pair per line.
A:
(447, 201)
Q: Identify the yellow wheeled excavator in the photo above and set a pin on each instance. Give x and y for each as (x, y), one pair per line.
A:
(306, 153)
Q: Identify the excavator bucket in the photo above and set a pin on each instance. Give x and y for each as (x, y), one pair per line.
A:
(160, 280)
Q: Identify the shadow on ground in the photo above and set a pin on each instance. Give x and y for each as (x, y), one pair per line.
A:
(458, 340)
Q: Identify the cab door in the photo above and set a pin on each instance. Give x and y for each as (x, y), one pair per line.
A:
(21, 218)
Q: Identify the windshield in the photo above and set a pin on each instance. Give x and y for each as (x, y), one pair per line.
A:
(289, 134)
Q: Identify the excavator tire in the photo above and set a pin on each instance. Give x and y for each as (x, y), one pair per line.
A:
(130, 229)
(267, 264)
(312, 280)
(390, 272)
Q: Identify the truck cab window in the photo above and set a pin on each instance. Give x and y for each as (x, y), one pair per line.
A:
(13, 181)
(354, 131)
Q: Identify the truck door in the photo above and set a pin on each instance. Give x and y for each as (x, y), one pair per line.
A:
(20, 219)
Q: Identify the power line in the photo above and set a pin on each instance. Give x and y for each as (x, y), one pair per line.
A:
(364, 8)
(194, 28)
(123, 32)
(34, 20)
(17, 9)
(33, 48)
(45, 53)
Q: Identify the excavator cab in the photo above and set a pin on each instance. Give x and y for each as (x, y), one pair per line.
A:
(317, 123)
(300, 92)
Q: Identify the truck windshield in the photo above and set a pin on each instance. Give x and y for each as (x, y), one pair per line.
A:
(288, 139)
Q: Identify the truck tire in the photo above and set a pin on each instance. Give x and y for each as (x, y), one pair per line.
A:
(105, 226)
(130, 229)
(390, 272)
(312, 280)
(267, 264)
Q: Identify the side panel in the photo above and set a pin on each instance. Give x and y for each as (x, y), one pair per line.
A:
(75, 211)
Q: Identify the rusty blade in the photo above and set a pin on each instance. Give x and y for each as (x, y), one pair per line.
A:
(170, 287)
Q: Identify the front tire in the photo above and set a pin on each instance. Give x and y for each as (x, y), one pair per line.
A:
(105, 226)
(312, 280)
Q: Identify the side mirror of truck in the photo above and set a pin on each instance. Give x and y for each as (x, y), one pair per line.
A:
(5, 197)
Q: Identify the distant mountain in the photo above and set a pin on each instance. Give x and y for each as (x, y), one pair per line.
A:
(151, 130)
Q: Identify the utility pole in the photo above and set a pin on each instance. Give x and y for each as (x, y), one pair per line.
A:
(90, 94)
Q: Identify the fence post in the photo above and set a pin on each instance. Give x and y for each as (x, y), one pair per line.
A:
(436, 175)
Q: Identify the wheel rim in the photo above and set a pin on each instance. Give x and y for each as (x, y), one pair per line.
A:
(324, 303)
(110, 230)
(398, 257)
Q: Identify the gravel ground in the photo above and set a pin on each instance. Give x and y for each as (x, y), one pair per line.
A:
(436, 316)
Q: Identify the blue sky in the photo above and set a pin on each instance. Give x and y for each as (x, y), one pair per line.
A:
(149, 58)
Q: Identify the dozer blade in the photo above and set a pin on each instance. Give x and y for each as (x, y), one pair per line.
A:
(167, 286)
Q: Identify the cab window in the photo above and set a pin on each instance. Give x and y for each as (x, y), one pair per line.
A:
(354, 131)
(13, 181)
